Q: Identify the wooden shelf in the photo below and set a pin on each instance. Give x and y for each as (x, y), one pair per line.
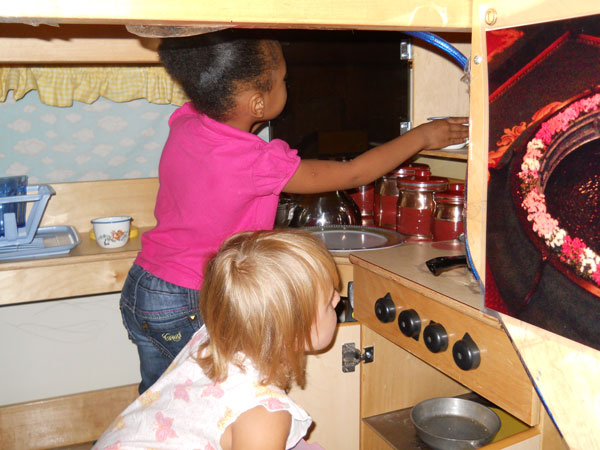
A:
(448, 15)
(397, 429)
(88, 269)
(463, 155)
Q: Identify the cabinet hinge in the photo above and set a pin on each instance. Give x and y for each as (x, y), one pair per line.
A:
(405, 50)
(405, 126)
(351, 356)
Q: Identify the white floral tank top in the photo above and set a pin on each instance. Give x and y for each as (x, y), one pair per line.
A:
(186, 410)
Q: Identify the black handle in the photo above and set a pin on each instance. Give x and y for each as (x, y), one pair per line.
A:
(443, 263)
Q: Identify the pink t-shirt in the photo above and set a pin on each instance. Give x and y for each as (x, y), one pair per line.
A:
(215, 181)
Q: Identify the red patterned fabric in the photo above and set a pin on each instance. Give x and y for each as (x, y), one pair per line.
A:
(493, 300)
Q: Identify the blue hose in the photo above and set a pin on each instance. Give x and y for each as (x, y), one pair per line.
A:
(441, 44)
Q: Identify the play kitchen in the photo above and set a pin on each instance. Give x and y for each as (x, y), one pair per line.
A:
(429, 340)
(420, 336)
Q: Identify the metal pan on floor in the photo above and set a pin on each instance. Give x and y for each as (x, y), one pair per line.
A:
(448, 423)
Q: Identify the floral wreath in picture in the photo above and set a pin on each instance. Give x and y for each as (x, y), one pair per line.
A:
(572, 251)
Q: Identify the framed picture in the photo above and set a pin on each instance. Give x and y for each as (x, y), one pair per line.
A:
(542, 262)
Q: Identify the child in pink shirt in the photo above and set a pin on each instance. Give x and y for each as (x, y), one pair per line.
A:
(217, 179)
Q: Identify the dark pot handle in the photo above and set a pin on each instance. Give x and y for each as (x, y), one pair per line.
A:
(443, 263)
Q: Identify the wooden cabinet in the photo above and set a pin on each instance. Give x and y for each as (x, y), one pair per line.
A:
(332, 396)
(88, 269)
(404, 372)
(391, 387)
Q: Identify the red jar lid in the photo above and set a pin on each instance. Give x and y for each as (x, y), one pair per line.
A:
(409, 170)
(424, 184)
(449, 197)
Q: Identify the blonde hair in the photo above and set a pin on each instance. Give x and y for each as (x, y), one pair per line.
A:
(259, 298)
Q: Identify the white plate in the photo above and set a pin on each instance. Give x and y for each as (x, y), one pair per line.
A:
(349, 239)
(455, 146)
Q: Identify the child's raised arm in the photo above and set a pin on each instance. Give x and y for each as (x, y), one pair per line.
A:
(259, 429)
(314, 176)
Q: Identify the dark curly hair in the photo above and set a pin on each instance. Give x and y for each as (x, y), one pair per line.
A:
(212, 68)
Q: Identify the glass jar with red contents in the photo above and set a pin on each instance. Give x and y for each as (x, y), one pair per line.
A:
(387, 193)
(448, 213)
(415, 206)
(364, 197)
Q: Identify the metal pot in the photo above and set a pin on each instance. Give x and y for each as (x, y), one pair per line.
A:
(329, 208)
(285, 211)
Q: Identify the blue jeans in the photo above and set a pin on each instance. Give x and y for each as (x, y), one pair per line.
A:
(160, 318)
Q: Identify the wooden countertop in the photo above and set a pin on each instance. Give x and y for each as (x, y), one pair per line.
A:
(408, 262)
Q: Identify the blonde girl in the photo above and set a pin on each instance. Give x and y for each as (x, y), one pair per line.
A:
(268, 297)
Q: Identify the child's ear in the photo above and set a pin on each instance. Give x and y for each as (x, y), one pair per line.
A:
(257, 105)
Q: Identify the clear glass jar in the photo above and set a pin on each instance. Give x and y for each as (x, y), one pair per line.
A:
(448, 215)
(415, 206)
(387, 193)
(364, 197)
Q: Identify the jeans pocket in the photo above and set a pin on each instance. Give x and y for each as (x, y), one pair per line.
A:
(170, 335)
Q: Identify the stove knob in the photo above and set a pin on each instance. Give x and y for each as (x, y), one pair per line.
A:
(466, 353)
(385, 310)
(435, 337)
(410, 323)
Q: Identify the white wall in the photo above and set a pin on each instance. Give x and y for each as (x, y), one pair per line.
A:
(63, 347)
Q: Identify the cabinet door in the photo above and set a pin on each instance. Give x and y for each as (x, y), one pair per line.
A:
(331, 396)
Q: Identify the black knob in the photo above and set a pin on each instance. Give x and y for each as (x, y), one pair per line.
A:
(385, 310)
(466, 353)
(410, 323)
(435, 337)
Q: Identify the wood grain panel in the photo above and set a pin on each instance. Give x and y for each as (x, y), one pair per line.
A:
(60, 281)
(346, 273)
(477, 173)
(68, 43)
(77, 203)
(370, 440)
(500, 376)
(331, 397)
(526, 440)
(396, 379)
(62, 421)
(566, 374)
(444, 15)
(437, 86)
(511, 13)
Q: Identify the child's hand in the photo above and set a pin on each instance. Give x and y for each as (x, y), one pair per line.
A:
(443, 132)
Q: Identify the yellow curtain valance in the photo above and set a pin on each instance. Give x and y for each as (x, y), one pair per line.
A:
(60, 86)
